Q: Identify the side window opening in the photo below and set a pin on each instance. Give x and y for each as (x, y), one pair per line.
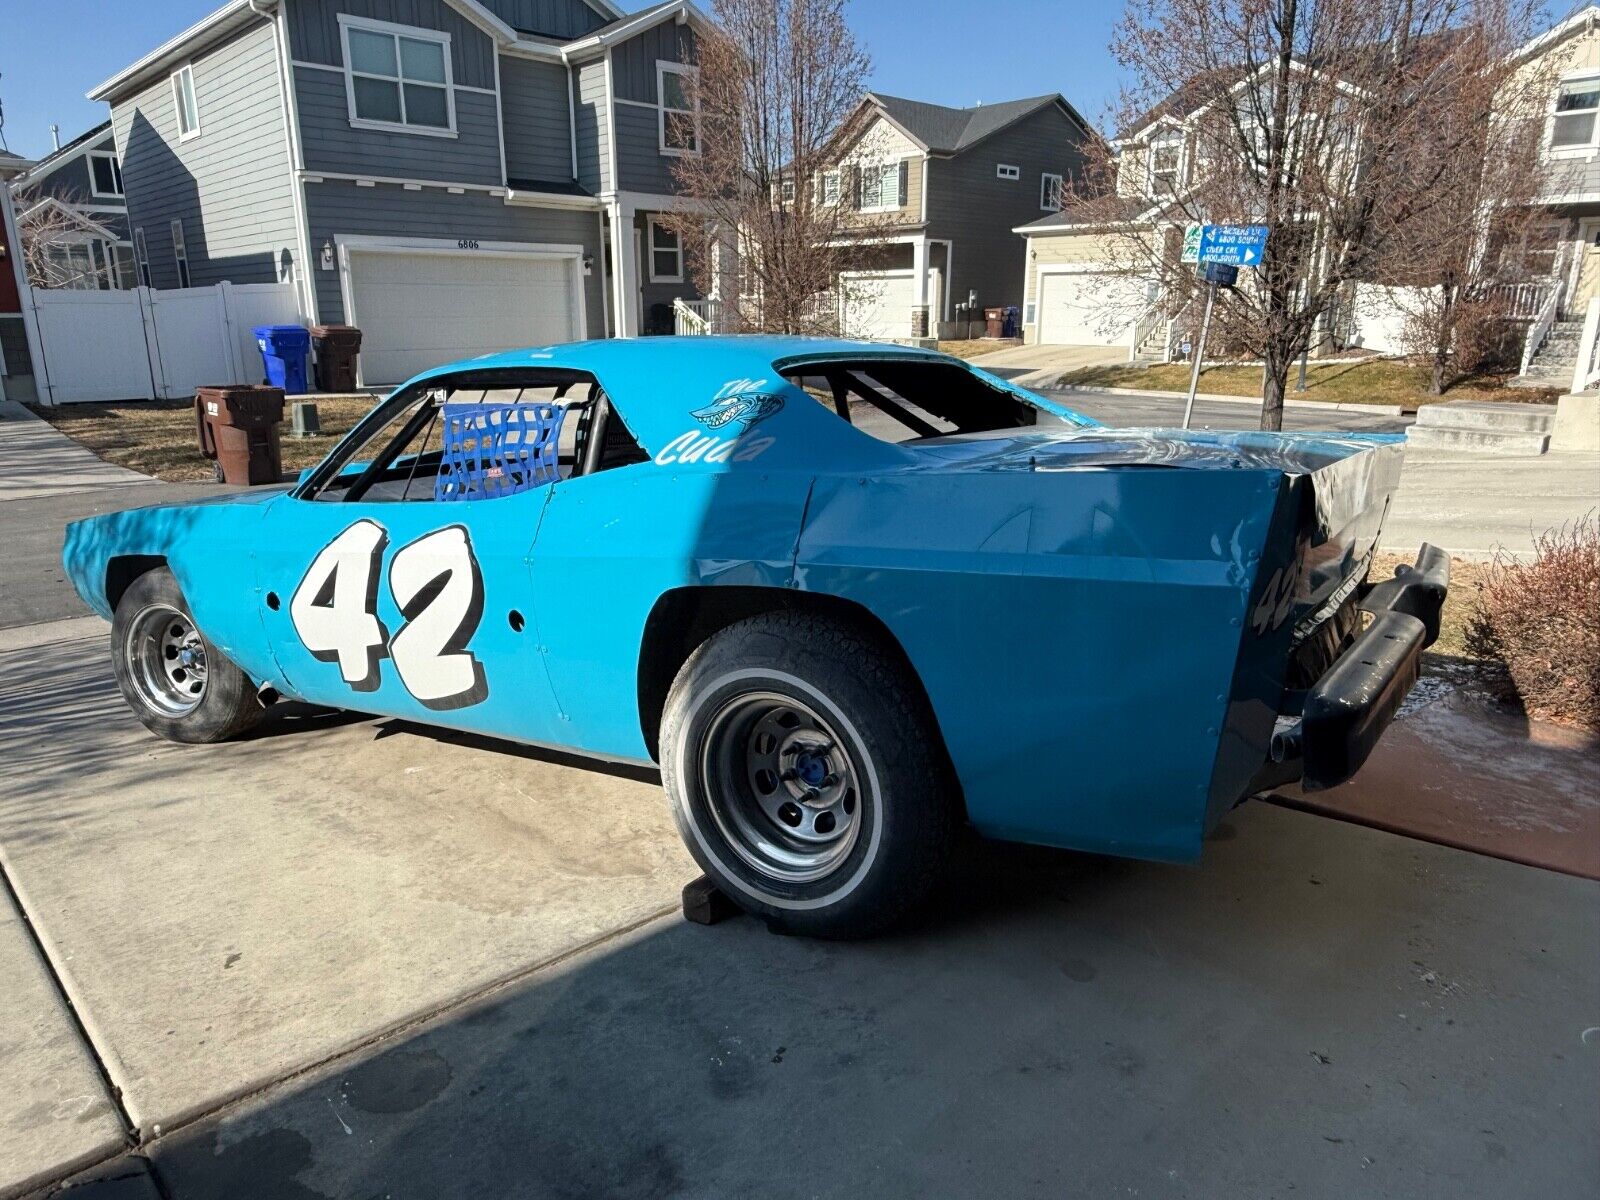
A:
(907, 401)
(478, 436)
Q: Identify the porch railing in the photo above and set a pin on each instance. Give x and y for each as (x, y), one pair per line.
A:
(1586, 373)
(693, 317)
(1520, 301)
(1144, 327)
(1543, 320)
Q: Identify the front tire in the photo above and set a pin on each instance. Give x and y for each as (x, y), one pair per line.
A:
(178, 684)
(807, 776)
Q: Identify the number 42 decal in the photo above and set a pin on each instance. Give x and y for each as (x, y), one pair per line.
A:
(438, 588)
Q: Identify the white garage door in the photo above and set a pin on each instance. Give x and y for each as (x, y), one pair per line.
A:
(1087, 309)
(418, 310)
(877, 305)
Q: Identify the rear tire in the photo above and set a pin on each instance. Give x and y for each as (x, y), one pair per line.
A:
(807, 776)
(178, 684)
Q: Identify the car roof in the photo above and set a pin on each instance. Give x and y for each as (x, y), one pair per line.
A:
(663, 387)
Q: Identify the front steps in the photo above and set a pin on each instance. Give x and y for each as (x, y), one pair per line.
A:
(1483, 427)
(1553, 362)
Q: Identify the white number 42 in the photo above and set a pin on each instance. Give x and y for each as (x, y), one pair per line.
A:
(438, 588)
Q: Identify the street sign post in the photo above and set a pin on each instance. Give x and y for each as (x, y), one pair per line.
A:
(1220, 250)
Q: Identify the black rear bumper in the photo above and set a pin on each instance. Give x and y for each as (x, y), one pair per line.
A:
(1342, 716)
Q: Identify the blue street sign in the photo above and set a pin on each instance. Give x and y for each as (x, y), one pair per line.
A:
(1235, 245)
(1221, 274)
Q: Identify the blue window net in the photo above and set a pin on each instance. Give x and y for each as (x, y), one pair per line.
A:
(493, 450)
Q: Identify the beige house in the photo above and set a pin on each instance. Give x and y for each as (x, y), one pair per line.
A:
(1071, 297)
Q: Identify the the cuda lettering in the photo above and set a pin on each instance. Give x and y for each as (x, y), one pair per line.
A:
(436, 584)
(698, 447)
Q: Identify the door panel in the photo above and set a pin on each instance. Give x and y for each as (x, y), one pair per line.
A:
(420, 609)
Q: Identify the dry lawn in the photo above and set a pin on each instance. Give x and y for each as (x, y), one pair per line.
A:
(1385, 381)
(157, 437)
(973, 347)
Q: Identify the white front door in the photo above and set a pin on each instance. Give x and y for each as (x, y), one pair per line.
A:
(422, 308)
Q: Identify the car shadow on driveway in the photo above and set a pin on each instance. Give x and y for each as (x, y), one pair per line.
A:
(1320, 1008)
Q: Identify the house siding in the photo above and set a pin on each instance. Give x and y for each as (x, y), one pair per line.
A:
(879, 142)
(640, 164)
(533, 99)
(70, 181)
(593, 114)
(338, 209)
(231, 185)
(314, 33)
(553, 18)
(969, 205)
(330, 143)
(633, 62)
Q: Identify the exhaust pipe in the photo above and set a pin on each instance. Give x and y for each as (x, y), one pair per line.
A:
(266, 695)
(1286, 743)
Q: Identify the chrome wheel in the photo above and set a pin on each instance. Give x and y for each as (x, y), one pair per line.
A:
(166, 660)
(781, 786)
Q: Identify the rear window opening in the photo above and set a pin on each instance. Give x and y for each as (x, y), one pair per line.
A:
(908, 401)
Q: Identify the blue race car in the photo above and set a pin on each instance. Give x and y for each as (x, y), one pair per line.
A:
(849, 596)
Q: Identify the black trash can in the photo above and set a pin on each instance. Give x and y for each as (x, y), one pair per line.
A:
(337, 347)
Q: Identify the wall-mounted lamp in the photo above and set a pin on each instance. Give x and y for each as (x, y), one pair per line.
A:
(588, 264)
(327, 256)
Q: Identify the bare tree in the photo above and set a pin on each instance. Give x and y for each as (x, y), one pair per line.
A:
(45, 231)
(777, 85)
(1335, 123)
(1459, 261)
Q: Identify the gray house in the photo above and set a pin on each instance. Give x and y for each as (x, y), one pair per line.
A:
(76, 193)
(453, 176)
(947, 186)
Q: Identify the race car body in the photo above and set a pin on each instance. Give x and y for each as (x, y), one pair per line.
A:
(848, 596)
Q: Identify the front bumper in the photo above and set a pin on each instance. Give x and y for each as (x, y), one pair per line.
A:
(1334, 725)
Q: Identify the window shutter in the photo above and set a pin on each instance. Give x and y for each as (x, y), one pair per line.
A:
(902, 183)
(855, 188)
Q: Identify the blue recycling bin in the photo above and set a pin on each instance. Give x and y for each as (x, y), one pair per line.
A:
(284, 352)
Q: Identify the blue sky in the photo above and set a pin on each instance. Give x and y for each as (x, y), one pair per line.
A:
(944, 51)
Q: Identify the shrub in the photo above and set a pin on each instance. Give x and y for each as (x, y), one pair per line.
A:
(1541, 620)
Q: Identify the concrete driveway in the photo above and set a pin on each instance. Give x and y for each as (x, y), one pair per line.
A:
(1020, 363)
(352, 957)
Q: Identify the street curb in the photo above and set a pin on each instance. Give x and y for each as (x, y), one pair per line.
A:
(1382, 410)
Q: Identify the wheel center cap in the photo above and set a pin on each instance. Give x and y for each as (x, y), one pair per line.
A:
(811, 769)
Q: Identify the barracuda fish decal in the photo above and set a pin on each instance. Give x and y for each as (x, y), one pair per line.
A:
(747, 408)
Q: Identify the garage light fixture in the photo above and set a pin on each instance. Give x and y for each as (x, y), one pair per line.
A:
(327, 255)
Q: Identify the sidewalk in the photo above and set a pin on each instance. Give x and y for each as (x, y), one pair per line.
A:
(47, 480)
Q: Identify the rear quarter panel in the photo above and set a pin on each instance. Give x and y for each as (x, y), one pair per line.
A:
(1077, 633)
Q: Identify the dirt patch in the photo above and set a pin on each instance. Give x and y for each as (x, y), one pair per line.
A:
(974, 347)
(157, 437)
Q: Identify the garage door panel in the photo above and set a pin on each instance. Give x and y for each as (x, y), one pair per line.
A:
(878, 307)
(1088, 308)
(419, 310)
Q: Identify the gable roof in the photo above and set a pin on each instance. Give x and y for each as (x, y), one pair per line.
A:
(942, 130)
(88, 140)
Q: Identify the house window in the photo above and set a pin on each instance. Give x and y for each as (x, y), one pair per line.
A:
(680, 108)
(1166, 158)
(397, 77)
(830, 187)
(1007, 171)
(183, 100)
(882, 186)
(1050, 192)
(786, 190)
(666, 255)
(180, 254)
(105, 175)
(1577, 102)
(141, 256)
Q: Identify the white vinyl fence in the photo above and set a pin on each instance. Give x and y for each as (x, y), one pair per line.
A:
(145, 344)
